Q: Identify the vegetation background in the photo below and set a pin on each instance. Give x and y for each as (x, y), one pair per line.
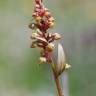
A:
(20, 75)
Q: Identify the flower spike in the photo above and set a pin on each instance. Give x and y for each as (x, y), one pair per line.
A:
(44, 40)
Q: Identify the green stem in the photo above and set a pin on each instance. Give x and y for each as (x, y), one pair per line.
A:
(57, 81)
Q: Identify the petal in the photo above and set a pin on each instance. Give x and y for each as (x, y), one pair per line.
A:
(41, 39)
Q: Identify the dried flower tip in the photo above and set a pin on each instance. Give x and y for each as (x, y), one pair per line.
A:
(47, 14)
(67, 66)
(33, 45)
(50, 47)
(57, 36)
(38, 18)
(51, 24)
(34, 35)
(42, 60)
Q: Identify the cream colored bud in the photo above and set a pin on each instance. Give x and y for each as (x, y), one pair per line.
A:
(57, 36)
(50, 47)
(42, 60)
(67, 66)
(34, 35)
(51, 24)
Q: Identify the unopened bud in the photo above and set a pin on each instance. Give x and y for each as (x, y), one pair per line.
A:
(57, 36)
(47, 13)
(67, 66)
(51, 24)
(50, 47)
(38, 18)
(42, 60)
(34, 35)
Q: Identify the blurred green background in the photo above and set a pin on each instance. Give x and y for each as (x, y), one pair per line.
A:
(20, 75)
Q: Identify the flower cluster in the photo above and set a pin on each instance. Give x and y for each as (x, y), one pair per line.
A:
(41, 37)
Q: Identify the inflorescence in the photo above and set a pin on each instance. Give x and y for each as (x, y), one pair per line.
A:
(41, 38)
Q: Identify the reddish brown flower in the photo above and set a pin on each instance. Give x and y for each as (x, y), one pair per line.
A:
(41, 37)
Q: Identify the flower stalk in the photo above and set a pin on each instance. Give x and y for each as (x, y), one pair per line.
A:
(56, 78)
(42, 39)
